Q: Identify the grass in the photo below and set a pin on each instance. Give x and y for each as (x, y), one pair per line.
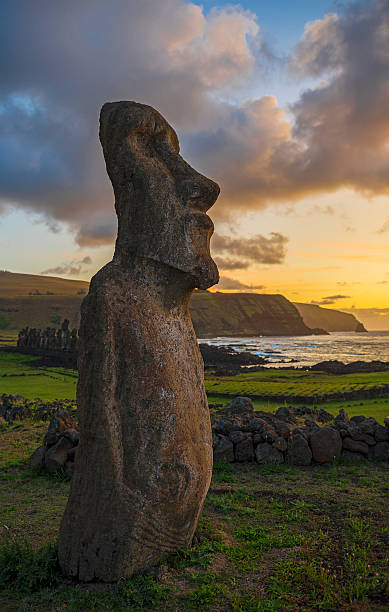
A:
(270, 538)
(19, 375)
(309, 386)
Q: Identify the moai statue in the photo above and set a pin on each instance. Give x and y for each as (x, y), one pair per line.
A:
(145, 458)
(22, 337)
(65, 335)
(73, 339)
(58, 341)
(46, 340)
(53, 338)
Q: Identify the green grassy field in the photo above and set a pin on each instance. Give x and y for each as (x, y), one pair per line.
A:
(269, 539)
(19, 375)
(291, 383)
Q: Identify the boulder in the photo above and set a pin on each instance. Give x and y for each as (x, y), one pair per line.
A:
(326, 417)
(72, 454)
(381, 434)
(60, 422)
(357, 419)
(237, 436)
(280, 444)
(224, 451)
(270, 434)
(381, 451)
(244, 450)
(241, 405)
(72, 435)
(256, 425)
(326, 444)
(355, 446)
(266, 453)
(37, 458)
(342, 417)
(350, 456)
(57, 455)
(368, 426)
(368, 439)
(299, 452)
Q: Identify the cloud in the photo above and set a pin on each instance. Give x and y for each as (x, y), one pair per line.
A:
(329, 299)
(231, 264)
(372, 318)
(73, 56)
(257, 250)
(384, 227)
(230, 284)
(71, 268)
(70, 60)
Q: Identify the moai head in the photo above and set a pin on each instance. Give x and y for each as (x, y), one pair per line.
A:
(160, 200)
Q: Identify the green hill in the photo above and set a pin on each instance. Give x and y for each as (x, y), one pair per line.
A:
(44, 301)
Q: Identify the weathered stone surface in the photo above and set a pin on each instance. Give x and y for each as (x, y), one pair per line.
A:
(355, 446)
(342, 417)
(241, 405)
(224, 450)
(299, 452)
(326, 444)
(350, 456)
(237, 436)
(386, 421)
(37, 459)
(72, 453)
(60, 422)
(244, 450)
(381, 451)
(368, 426)
(57, 455)
(72, 435)
(369, 440)
(144, 461)
(381, 434)
(280, 444)
(266, 453)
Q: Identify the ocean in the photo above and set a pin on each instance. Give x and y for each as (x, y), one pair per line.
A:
(308, 350)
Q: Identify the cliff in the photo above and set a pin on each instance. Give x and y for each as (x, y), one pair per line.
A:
(44, 301)
(245, 314)
(331, 320)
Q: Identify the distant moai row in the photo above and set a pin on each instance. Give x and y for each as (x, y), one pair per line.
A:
(50, 338)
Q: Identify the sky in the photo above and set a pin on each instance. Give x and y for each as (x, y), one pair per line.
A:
(284, 104)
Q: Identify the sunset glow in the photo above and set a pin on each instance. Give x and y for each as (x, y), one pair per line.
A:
(288, 113)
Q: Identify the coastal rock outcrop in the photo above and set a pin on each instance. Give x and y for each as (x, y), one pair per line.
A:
(144, 462)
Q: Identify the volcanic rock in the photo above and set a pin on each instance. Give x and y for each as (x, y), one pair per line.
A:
(144, 462)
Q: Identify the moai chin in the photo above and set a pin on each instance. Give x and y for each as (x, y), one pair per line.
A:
(145, 458)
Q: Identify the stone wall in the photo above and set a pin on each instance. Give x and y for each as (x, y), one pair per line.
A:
(297, 436)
